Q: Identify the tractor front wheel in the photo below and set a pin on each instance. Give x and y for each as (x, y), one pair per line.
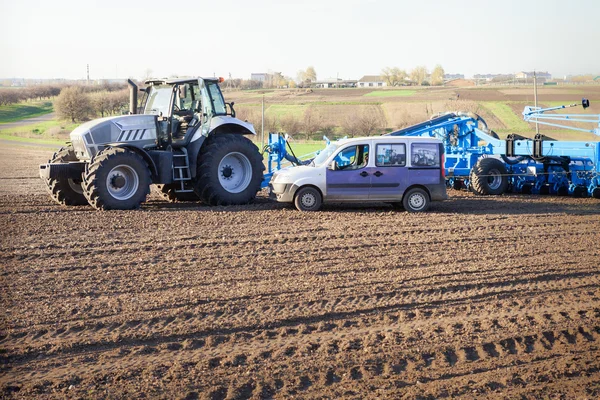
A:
(67, 192)
(116, 179)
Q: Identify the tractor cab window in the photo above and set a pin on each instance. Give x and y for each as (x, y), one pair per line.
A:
(159, 100)
(353, 157)
(184, 100)
(216, 98)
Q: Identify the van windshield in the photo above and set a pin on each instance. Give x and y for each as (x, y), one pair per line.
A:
(324, 154)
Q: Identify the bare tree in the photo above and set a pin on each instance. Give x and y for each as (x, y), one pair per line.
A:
(351, 125)
(437, 75)
(311, 122)
(418, 74)
(291, 125)
(101, 103)
(393, 76)
(73, 104)
(371, 121)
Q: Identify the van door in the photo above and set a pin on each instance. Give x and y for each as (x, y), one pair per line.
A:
(390, 175)
(347, 176)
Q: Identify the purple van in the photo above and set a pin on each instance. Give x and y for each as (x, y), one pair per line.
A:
(407, 172)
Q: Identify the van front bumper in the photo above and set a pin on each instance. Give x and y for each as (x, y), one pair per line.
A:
(282, 192)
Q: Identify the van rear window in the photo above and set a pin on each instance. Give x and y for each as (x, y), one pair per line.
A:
(425, 155)
(391, 155)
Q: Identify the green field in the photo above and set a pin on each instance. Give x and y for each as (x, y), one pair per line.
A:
(505, 114)
(17, 112)
(391, 93)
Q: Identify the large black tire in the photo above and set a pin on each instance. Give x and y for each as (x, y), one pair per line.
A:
(308, 199)
(67, 192)
(489, 177)
(168, 193)
(116, 179)
(416, 200)
(230, 170)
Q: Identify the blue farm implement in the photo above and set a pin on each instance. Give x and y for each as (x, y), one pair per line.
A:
(475, 158)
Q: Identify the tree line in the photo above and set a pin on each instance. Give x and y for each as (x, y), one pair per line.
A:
(394, 76)
(312, 124)
(40, 92)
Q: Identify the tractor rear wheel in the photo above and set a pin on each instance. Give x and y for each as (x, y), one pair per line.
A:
(489, 177)
(168, 193)
(67, 192)
(116, 179)
(230, 170)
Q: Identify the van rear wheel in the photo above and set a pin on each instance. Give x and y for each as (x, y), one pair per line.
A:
(416, 200)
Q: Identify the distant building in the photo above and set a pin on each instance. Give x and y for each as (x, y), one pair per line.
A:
(529, 75)
(451, 77)
(259, 77)
(485, 77)
(371, 81)
(334, 83)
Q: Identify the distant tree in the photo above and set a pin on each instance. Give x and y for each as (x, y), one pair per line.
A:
(10, 96)
(351, 125)
(371, 121)
(418, 74)
(437, 75)
(291, 125)
(393, 76)
(118, 101)
(73, 104)
(306, 77)
(311, 122)
(101, 103)
(311, 74)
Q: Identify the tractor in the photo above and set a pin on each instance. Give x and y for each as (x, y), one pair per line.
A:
(183, 138)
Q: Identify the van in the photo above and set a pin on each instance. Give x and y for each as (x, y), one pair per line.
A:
(405, 171)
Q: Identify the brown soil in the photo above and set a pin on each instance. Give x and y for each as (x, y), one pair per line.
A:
(479, 298)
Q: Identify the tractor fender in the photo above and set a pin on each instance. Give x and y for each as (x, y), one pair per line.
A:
(143, 153)
(227, 124)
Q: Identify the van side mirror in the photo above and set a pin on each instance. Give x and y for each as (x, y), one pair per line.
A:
(332, 166)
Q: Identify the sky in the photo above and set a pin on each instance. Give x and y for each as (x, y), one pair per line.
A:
(339, 38)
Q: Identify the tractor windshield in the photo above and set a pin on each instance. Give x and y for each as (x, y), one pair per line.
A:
(159, 100)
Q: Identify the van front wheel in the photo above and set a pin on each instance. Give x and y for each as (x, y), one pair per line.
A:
(308, 199)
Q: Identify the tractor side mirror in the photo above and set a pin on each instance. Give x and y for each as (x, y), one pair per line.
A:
(183, 92)
(585, 103)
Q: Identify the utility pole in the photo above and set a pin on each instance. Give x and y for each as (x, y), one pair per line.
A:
(262, 129)
(537, 126)
(88, 74)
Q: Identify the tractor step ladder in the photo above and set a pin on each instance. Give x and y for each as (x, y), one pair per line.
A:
(181, 170)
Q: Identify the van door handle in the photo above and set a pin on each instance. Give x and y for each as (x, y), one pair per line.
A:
(364, 173)
(378, 173)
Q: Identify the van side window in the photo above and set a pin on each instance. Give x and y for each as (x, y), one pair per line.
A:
(391, 155)
(425, 155)
(353, 157)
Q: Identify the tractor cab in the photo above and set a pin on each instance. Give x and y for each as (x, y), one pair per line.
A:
(184, 107)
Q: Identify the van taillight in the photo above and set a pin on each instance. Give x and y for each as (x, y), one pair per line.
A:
(443, 167)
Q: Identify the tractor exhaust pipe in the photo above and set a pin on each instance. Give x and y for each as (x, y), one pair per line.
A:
(133, 99)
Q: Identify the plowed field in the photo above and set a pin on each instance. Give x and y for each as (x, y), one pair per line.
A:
(480, 298)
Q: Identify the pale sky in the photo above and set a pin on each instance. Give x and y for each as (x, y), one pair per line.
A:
(340, 38)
